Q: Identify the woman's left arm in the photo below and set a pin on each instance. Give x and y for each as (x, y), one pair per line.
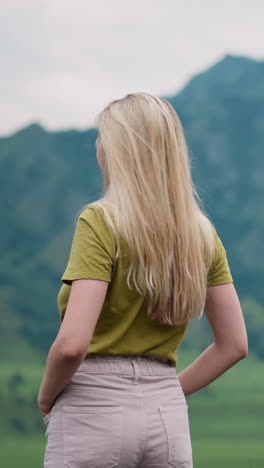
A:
(70, 346)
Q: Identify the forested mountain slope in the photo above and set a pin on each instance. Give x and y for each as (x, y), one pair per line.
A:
(46, 177)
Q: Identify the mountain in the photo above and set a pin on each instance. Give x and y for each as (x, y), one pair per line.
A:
(222, 111)
(46, 177)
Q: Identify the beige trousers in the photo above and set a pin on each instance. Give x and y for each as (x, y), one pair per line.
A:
(123, 411)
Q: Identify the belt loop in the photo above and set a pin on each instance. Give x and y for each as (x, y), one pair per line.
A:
(136, 370)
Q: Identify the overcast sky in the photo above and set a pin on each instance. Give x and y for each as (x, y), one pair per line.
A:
(62, 61)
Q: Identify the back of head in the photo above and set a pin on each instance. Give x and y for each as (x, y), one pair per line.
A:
(150, 197)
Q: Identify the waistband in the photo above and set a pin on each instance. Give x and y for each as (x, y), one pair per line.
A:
(125, 363)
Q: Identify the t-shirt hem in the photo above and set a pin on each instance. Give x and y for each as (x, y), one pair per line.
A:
(67, 279)
(218, 283)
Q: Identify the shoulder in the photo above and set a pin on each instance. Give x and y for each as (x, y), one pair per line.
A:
(219, 249)
(90, 212)
(93, 216)
(219, 272)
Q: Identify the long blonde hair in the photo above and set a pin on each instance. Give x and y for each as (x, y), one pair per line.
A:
(151, 203)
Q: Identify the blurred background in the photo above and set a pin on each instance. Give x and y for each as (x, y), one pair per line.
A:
(62, 62)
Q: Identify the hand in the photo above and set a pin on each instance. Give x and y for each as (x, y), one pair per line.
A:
(44, 408)
(44, 413)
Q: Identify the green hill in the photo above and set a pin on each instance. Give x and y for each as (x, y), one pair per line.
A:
(222, 111)
(46, 177)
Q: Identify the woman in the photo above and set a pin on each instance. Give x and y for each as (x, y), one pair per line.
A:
(145, 261)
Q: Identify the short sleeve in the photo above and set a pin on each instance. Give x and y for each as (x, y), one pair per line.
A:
(93, 249)
(219, 272)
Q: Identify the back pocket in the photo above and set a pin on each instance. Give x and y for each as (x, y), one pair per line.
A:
(176, 423)
(92, 436)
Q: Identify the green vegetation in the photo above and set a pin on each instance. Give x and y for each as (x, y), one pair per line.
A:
(226, 418)
(22, 452)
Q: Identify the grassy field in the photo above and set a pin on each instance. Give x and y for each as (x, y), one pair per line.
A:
(28, 453)
(226, 418)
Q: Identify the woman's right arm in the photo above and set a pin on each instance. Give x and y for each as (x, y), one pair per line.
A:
(230, 344)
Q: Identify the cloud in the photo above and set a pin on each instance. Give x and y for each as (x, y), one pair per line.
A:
(63, 60)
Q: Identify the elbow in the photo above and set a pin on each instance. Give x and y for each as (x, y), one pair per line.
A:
(243, 352)
(239, 351)
(70, 352)
(242, 348)
(233, 352)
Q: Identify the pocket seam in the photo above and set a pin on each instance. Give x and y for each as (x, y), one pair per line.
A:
(176, 406)
(92, 409)
(173, 460)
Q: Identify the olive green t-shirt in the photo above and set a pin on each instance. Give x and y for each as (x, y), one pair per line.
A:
(123, 326)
